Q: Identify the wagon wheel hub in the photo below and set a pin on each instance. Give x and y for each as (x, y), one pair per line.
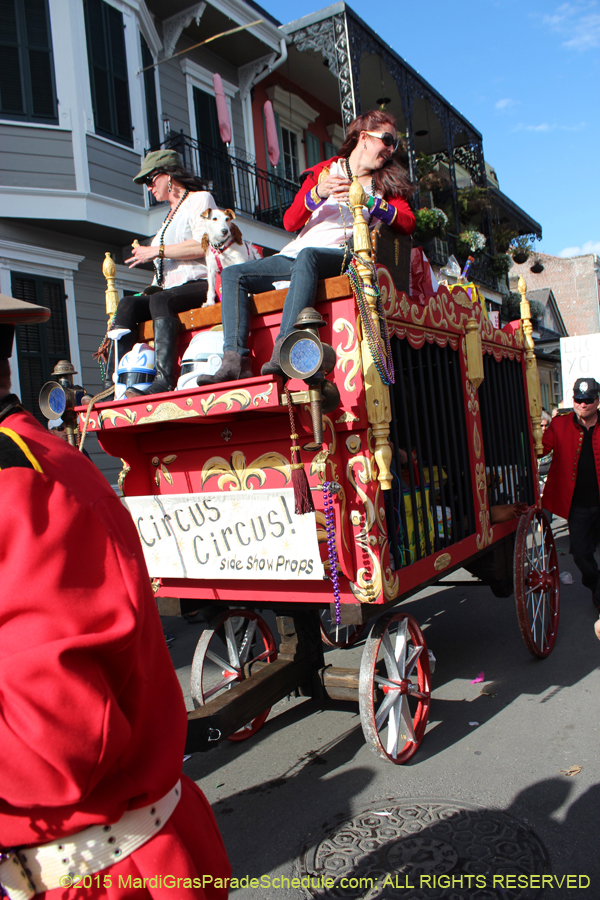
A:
(403, 686)
(540, 581)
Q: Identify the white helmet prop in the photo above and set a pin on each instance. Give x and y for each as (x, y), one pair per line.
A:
(135, 369)
(203, 356)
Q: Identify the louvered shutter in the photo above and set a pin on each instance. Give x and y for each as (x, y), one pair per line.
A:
(27, 89)
(150, 93)
(313, 152)
(108, 70)
(40, 347)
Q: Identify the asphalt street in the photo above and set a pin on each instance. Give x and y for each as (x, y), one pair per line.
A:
(501, 745)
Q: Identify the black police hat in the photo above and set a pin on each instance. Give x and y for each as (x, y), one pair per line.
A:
(585, 390)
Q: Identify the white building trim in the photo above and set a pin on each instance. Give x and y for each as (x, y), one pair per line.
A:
(17, 257)
(72, 80)
(199, 77)
(241, 13)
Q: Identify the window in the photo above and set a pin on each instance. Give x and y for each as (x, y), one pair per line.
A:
(329, 150)
(215, 167)
(27, 89)
(313, 153)
(40, 347)
(291, 162)
(150, 94)
(108, 70)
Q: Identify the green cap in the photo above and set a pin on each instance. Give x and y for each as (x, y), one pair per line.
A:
(158, 159)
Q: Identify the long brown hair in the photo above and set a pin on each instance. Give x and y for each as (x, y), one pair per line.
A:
(186, 178)
(392, 179)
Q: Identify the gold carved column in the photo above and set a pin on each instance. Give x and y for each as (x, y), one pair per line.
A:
(377, 394)
(533, 377)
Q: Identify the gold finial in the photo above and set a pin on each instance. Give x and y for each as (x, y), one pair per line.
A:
(109, 270)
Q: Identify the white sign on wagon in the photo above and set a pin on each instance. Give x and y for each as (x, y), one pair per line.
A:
(579, 358)
(238, 534)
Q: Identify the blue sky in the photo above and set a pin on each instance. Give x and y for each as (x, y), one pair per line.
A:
(527, 75)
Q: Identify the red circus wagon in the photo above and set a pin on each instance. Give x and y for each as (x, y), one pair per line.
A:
(410, 481)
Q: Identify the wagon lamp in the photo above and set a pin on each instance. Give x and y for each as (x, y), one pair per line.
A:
(303, 355)
(59, 398)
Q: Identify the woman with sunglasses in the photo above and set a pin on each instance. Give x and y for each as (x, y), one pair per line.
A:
(176, 252)
(321, 210)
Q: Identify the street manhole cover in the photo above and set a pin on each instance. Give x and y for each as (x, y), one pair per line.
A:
(425, 850)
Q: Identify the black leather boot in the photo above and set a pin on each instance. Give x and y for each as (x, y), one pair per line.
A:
(166, 335)
(272, 367)
(233, 368)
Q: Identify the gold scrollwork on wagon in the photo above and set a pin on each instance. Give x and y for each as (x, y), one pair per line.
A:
(166, 412)
(235, 475)
(368, 584)
(113, 414)
(485, 536)
(240, 396)
(348, 353)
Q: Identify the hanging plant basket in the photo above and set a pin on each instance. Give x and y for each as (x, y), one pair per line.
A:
(537, 267)
(520, 257)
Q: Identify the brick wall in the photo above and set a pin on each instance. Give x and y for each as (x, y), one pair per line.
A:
(575, 285)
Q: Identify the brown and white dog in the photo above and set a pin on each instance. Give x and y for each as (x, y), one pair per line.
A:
(223, 245)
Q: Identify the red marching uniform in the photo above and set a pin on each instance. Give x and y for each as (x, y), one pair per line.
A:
(564, 436)
(92, 719)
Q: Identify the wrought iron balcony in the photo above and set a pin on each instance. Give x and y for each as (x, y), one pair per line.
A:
(234, 179)
(438, 250)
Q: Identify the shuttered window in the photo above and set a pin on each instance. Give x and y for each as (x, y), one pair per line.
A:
(313, 150)
(150, 93)
(40, 347)
(27, 89)
(108, 71)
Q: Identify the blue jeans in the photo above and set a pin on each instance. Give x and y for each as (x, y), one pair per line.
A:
(258, 275)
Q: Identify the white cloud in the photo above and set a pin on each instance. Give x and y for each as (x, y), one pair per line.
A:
(588, 247)
(578, 23)
(506, 103)
(545, 126)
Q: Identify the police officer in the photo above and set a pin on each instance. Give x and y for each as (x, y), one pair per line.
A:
(572, 484)
(92, 719)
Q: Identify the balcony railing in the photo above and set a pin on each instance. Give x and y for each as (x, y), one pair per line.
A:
(438, 250)
(235, 181)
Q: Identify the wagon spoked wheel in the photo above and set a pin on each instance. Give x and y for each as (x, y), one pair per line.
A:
(226, 653)
(394, 687)
(537, 582)
(341, 636)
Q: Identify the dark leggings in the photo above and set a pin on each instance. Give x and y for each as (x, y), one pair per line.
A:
(164, 304)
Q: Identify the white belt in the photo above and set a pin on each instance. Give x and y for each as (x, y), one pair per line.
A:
(24, 873)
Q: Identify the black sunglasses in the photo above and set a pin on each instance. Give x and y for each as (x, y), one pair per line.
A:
(387, 138)
(150, 179)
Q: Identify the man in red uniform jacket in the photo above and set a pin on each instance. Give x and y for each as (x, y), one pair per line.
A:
(571, 489)
(92, 719)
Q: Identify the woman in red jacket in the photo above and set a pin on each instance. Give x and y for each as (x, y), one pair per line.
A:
(320, 209)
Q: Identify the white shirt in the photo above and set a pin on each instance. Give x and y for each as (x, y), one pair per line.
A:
(326, 228)
(186, 224)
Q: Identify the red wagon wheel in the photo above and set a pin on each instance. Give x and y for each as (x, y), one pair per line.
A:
(341, 636)
(394, 690)
(235, 639)
(537, 582)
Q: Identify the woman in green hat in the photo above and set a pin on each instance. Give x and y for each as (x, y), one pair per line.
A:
(180, 273)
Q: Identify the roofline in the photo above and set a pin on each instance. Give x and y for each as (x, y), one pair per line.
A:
(343, 7)
(512, 207)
